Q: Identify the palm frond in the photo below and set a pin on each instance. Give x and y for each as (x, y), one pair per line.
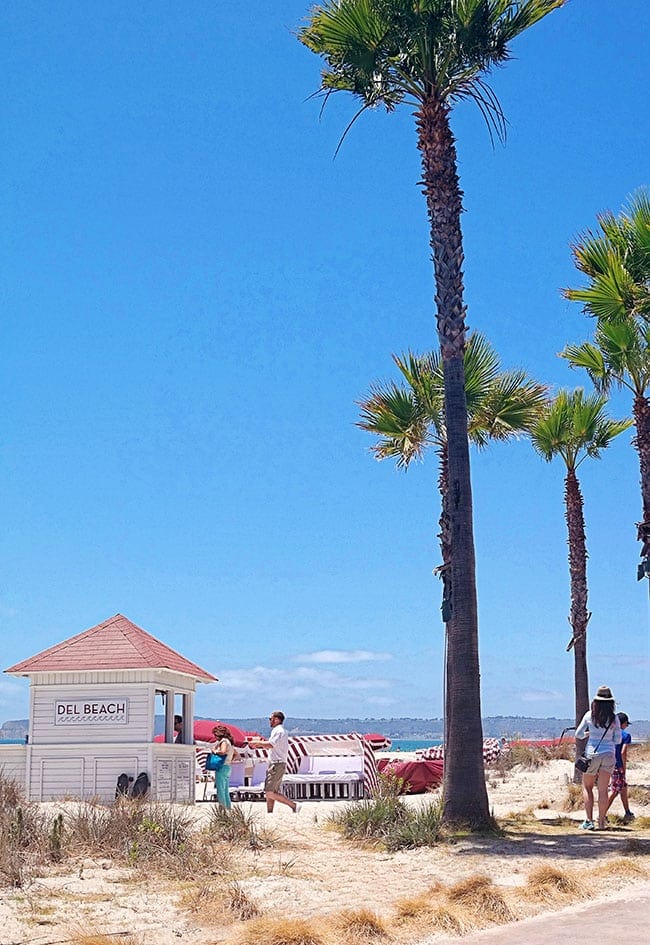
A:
(390, 51)
(575, 426)
(404, 431)
(410, 418)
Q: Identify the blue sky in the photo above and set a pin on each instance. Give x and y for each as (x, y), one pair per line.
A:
(195, 296)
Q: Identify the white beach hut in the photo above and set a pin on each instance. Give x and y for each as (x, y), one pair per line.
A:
(92, 716)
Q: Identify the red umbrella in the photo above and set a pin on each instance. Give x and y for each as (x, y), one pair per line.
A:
(203, 731)
(378, 742)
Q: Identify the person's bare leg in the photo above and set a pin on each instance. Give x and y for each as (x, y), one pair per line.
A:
(613, 797)
(603, 784)
(272, 797)
(588, 781)
(626, 803)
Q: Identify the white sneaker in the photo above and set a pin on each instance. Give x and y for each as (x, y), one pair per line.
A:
(298, 808)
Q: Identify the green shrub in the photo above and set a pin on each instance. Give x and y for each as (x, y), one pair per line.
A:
(389, 822)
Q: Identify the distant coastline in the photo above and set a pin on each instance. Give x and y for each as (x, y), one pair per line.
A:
(395, 728)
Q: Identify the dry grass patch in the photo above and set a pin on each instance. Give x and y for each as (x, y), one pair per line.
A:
(639, 794)
(574, 799)
(480, 897)
(216, 904)
(530, 756)
(547, 883)
(279, 932)
(102, 938)
(239, 904)
(414, 907)
(623, 868)
(450, 919)
(361, 924)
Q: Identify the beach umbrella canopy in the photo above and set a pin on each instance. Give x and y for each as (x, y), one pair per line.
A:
(378, 742)
(203, 731)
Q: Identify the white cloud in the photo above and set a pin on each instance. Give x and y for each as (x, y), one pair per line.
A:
(302, 680)
(541, 695)
(342, 656)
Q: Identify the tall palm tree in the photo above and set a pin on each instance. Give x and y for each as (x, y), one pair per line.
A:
(409, 419)
(431, 54)
(575, 427)
(616, 261)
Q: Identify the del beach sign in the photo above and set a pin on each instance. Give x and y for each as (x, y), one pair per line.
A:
(92, 710)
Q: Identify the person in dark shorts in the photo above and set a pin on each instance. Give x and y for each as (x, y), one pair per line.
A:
(618, 783)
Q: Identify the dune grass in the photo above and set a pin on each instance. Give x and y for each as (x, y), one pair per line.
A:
(546, 883)
(104, 938)
(237, 826)
(361, 924)
(389, 823)
(481, 899)
(279, 932)
(623, 868)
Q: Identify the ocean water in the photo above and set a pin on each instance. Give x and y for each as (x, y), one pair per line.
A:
(12, 741)
(414, 744)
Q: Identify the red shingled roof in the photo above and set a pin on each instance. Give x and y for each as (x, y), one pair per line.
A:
(115, 644)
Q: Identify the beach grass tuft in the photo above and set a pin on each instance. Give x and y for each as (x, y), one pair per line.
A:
(268, 931)
(238, 826)
(573, 799)
(239, 904)
(361, 924)
(414, 907)
(24, 836)
(388, 822)
(450, 919)
(622, 867)
(482, 899)
(132, 833)
(216, 903)
(547, 883)
(104, 938)
(531, 756)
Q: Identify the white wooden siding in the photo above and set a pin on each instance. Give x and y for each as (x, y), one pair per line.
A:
(88, 772)
(162, 679)
(57, 777)
(44, 731)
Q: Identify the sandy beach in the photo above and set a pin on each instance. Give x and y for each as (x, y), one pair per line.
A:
(304, 869)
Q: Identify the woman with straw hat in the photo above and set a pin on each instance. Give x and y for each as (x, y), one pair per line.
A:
(602, 726)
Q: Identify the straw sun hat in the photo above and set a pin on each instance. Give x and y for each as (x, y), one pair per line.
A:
(604, 694)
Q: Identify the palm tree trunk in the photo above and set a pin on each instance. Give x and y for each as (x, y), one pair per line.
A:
(444, 536)
(465, 793)
(579, 617)
(641, 411)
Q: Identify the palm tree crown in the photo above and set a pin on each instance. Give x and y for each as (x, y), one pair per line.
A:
(575, 426)
(409, 419)
(616, 260)
(389, 51)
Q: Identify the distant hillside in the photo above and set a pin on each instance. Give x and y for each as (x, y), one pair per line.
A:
(14, 729)
(512, 726)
